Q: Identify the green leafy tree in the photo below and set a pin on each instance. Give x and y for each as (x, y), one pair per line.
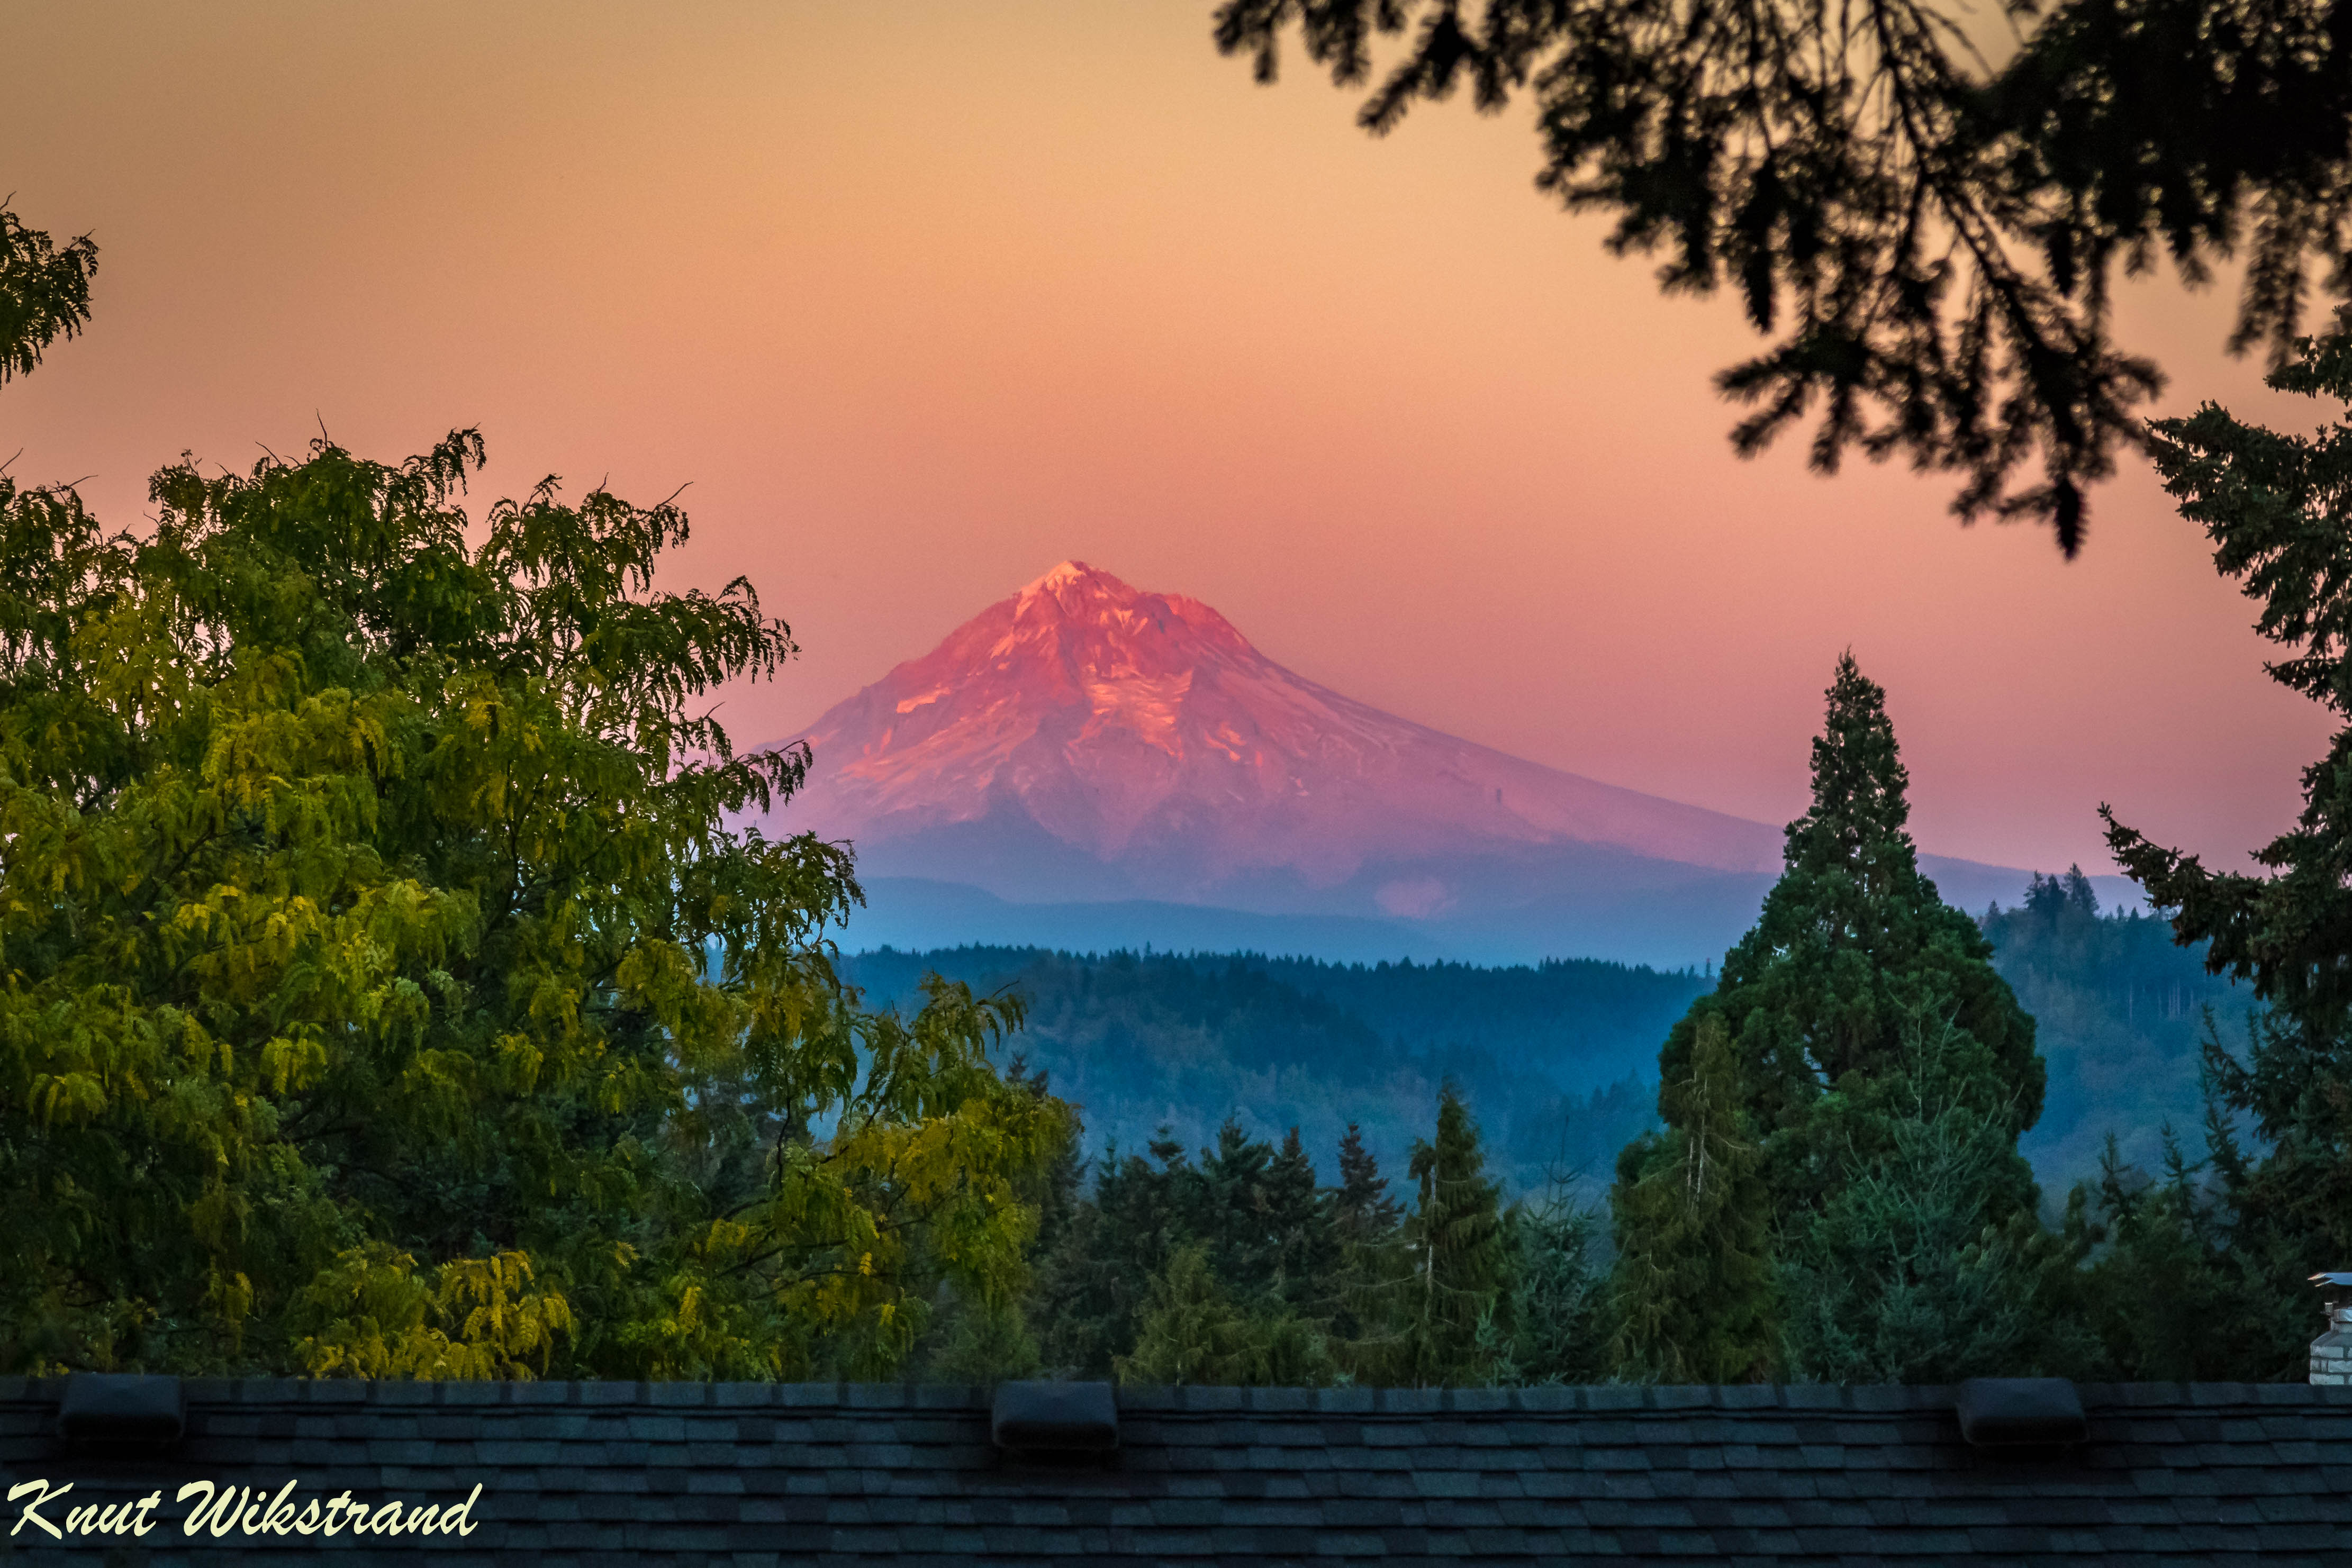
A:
(44, 292)
(1931, 236)
(358, 1012)
(2279, 512)
(991, 1336)
(1455, 1239)
(1693, 1291)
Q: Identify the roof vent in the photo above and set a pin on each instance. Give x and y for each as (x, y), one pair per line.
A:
(121, 1407)
(1064, 1417)
(2000, 1412)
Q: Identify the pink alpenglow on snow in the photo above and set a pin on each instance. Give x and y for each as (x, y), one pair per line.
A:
(1144, 731)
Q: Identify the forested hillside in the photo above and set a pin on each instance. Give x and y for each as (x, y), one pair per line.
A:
(2119, 1014)
(1557, 1061)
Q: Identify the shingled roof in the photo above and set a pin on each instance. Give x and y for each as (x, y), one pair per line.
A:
(753, 1474)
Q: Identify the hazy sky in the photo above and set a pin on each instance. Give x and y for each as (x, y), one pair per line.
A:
(921, 298)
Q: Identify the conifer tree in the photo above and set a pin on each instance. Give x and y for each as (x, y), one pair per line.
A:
(1929, 237)
(1360, 1205)
(1457, 1245)
(1374, 1269)
(1851, 944)
(1091, 1286)
(1851, 941)
(1306, 1237)
(1191, 1331)
(2279, 512)
(1919, 1268)
(1693, 1289)
(1560, 1293)
(1226, 1204)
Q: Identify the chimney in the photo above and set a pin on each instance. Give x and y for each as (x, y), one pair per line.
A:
(2331, 1353)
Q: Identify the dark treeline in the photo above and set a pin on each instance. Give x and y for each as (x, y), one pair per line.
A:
(1234, 1264)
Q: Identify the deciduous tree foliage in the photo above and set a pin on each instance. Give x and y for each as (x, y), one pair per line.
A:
(383, 991)
(44, 292)
(1932, 236)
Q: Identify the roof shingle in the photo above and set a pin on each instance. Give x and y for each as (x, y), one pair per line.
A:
(752, 1473)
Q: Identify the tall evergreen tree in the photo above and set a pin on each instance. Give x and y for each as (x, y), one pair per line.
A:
(1360, 1205)
(1560, 1293)
(1921, 1268)
(1091, 1285)
(1693, 1291)
(1374, 1267)
(1227, 1205)
(1191, 1331)
(1852, 942)
(1305, 1234)
(1458, 1247)
(2279, 511)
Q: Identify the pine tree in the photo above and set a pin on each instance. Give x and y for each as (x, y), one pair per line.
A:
(1091, 1286)
(1306, 1237)
(2279, 513)
(1374, 1271)
(1457, 1245)
(1192, 1332)
(1227, 1205)
(1692, 1291)
(1360, 1205)
(1560, 1293)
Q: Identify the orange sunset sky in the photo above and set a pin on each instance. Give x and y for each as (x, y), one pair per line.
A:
(923, 298)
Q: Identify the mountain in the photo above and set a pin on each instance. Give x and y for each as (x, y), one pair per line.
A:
(1085, 745)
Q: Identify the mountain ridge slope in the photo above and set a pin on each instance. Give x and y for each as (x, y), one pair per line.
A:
(1084, 741)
